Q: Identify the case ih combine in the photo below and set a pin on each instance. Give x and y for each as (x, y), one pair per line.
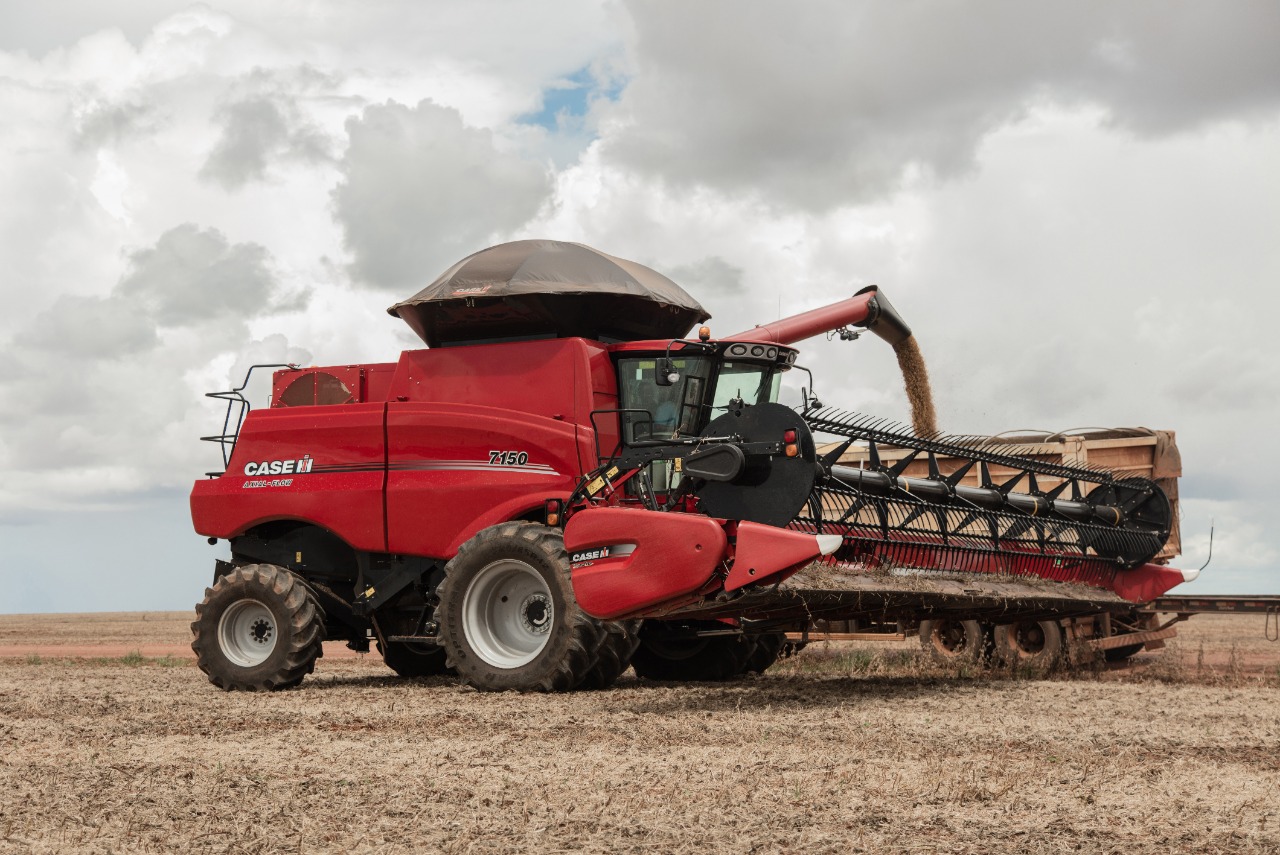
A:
(563, 485)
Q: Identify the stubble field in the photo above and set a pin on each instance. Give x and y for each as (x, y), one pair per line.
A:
(844, 748)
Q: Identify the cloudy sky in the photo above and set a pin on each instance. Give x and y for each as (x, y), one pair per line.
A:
(1076, 206)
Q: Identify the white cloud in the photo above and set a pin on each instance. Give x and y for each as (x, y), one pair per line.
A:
(826, 103)
(418, 192)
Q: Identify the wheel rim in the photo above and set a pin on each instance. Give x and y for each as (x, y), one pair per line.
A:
(1029, 638)
(507, 614)
(950, 638)
(247, 633)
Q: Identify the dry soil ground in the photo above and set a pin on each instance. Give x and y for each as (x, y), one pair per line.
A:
(861, 748)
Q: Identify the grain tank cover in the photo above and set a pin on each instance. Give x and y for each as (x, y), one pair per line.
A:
(546, 289)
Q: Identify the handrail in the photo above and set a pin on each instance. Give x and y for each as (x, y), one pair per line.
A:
(234, 397)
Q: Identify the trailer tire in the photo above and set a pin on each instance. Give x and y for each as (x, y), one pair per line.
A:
(508, 616)
(767, 650)
(1029, 644)
(258, 629)
(411, 660)
(620, 643)
(1120, 654)
(949, 641)
(709, 660)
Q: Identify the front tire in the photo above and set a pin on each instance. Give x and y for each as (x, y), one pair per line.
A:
(509, 619)
(258, 629)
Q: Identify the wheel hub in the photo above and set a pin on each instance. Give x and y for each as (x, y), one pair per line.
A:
(247, 633)
(952, 637)
(507, 614)
(1030, 637)
(535, 613)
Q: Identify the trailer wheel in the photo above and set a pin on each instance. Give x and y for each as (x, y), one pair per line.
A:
(409, 659)
(509, 619)
(1029, 644)
(259, 628)
(950, 641)
(1120, 654)
(767, 650)
(664, 656)
(621, 641)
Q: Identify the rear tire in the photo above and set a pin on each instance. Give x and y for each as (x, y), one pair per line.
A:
(1034, 645)
(1120, 654)
(663, 657)
(950, 641)
(258, 629)
(508, 616)
(410, 660)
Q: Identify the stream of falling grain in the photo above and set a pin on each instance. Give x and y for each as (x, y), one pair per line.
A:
(915, 376)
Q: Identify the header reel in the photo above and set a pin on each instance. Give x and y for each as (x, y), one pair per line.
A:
(759, 463)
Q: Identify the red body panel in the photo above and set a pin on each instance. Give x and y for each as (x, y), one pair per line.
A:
(1143, 584)
(765, 554)
(426, 451)
(342, 490)
(443, 484)
(674, 559)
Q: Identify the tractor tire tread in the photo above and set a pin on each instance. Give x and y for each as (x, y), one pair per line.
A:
(585, 634)
(620, 643)
(303, 625)
(768, 647)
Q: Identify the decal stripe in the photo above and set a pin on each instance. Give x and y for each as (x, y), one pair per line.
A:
(431, 466)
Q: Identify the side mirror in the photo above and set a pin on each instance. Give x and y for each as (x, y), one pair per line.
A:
(807, 396)
(667, 374)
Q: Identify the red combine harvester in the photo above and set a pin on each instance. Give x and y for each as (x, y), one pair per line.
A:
(561, 486)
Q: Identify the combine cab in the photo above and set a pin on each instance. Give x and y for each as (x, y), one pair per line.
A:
(563, 486)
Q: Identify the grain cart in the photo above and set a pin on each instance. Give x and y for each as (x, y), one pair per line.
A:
(561, 485)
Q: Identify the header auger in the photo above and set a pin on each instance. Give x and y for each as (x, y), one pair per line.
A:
(562, 486)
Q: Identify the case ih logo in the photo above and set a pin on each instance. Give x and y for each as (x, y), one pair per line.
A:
(478, 289)
(587, 556)
(279, 467)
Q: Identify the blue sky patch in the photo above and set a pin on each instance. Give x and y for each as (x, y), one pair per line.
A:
(568, 99)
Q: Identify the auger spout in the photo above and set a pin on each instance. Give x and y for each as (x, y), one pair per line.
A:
(869, 308)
